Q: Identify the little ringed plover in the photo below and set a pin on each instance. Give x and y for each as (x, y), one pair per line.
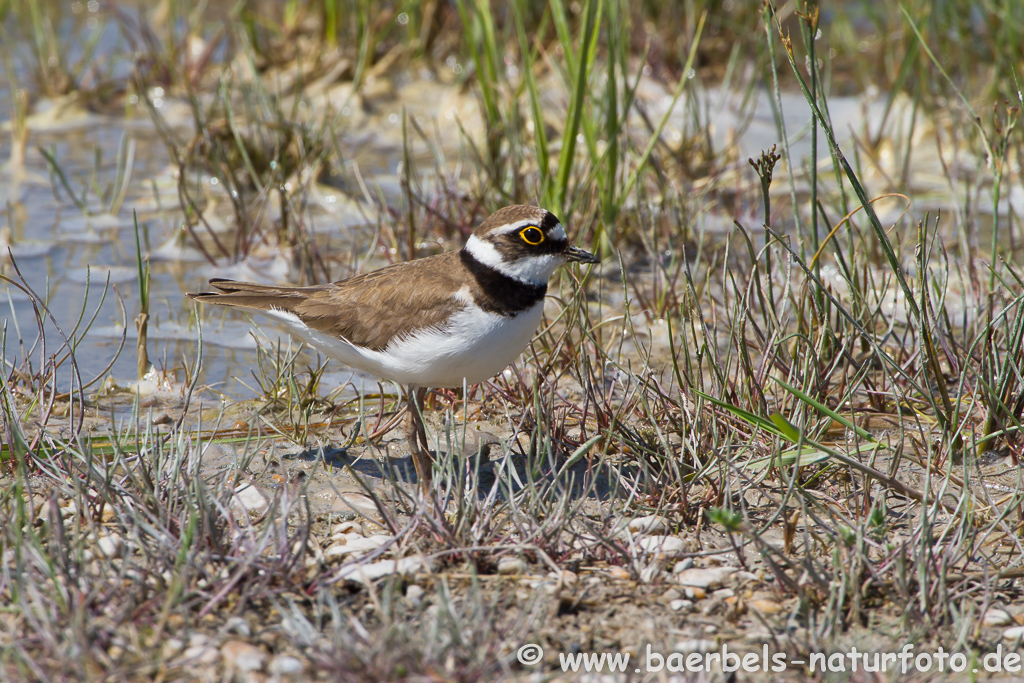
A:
(439, 321)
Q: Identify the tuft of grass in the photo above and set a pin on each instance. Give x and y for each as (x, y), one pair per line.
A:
(142, 321)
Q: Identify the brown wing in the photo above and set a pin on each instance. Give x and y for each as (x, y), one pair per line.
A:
(368, 310)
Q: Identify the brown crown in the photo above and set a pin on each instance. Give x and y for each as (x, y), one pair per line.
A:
(545, 220)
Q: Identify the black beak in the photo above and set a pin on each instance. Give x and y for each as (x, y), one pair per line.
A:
(574, 253)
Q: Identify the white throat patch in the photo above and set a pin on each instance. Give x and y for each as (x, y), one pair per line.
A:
(532, 270)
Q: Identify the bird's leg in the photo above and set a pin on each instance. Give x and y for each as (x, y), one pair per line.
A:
(421, 430)
(416, 436)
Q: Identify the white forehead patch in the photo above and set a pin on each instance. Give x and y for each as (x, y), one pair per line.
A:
(513, 227)
(556, 233)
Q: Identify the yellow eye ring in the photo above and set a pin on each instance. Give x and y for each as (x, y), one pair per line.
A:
(532, 235)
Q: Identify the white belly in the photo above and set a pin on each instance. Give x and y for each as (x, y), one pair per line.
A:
(475, 346)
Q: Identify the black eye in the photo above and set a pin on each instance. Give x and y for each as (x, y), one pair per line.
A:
(532, 236)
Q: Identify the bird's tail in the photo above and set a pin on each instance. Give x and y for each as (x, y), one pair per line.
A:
(251, 295)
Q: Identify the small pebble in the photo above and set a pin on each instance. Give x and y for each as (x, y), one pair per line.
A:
(249, 501)
(239, 655)
(683, 565)
(996, 617)
(111, 545)
(565, 578)
(414, 594)
(201, 654)
(283, 665)
(619, 573)
(764, 605)
(171, 647)
(681, 605)
(1014, 633)
(694, 592)
(707, 578)
(355, 545)
(39, 503)
(376, 570)
(349, 527)
(650, 573)
(650, 524)
(511, 565)
(668, 546)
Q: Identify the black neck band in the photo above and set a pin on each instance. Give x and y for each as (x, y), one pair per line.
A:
(503, 295)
